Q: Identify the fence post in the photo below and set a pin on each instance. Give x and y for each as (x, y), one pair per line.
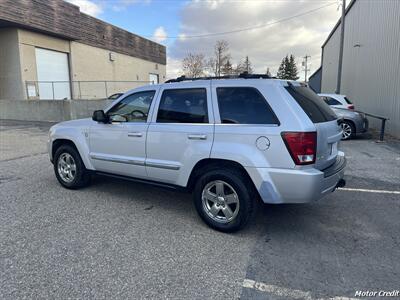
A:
(105, 84)
(382, 130)
(52, 86)
(80, 92)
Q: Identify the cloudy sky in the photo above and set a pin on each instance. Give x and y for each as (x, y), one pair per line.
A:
(265, 30)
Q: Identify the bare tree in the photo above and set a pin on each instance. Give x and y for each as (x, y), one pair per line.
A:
(227, 68)
(220, 58)
(193, 65)
(244, 66)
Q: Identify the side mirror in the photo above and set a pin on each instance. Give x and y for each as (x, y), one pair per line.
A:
(99, 116)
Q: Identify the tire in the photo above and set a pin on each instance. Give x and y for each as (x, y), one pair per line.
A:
(214, 210)
(69, 168)
(348, 130)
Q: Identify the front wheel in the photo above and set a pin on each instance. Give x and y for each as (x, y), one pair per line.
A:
(224, 199)
(69, 168)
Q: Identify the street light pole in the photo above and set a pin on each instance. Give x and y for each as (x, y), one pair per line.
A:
(339, 73)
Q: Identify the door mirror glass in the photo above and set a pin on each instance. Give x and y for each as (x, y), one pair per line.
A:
(99, 116)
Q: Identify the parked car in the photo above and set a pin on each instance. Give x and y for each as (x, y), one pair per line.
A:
(228, 141)
(337, 101)
(352, 123)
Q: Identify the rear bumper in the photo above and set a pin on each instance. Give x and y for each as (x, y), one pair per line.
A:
(297, 186)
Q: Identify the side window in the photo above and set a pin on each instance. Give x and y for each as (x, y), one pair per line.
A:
(183, 106)
(133, 108)
(244, 105)
(332, 101)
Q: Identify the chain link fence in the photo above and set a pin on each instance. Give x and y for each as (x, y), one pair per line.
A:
(58, 90)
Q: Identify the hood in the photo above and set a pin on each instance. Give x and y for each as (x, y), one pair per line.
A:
(75, 123)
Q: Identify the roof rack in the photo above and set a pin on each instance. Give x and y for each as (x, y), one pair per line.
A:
(244, 75)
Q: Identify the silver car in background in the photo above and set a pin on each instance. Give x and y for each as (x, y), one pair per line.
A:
(352, 123)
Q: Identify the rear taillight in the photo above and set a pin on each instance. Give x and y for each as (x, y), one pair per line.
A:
(302, 146)
(350, 106)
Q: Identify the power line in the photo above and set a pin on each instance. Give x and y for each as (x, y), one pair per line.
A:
(247, 28)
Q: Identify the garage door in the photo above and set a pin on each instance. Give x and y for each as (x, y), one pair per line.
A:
(53, 74)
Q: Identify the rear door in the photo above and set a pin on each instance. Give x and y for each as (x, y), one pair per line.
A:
(181, 132)
(329, 132)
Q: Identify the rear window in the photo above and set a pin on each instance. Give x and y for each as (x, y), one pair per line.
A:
(315, 108)
(347, 100)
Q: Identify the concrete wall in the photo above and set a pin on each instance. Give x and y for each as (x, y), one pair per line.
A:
(11, 86)
(49, 110)
(371, 60)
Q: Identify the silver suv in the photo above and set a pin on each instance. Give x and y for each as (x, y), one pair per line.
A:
(228, 141)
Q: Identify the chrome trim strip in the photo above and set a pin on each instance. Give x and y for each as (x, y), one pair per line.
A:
(162, 166)
(118, 160)
(136, 162)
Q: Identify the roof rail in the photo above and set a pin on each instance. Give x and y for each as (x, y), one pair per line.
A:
(244, 75)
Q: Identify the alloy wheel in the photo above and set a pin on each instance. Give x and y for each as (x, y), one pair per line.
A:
(347, 131)
(66, 167)
(220, 201)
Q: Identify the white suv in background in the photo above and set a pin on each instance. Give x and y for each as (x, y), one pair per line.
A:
(228, 141)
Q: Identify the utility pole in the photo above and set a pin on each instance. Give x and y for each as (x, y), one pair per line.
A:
(339, 73)
(247, 64)
(306, 66)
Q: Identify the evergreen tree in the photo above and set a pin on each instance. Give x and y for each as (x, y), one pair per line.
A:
(287, 68)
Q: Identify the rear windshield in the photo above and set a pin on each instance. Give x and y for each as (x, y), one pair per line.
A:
(316, 109)
(347, 100)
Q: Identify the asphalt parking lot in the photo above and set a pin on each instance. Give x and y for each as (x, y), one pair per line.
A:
(118, 239)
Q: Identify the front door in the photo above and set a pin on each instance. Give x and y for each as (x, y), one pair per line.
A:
(180, 134)
(120, 146)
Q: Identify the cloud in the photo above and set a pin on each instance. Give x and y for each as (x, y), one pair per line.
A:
(88, 7)
(174, 68)
(265, 46)
(159, 34)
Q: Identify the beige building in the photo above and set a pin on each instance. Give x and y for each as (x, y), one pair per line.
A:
(73, 56)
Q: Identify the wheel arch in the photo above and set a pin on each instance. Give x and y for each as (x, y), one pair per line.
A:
(208, 164)
(57, 143)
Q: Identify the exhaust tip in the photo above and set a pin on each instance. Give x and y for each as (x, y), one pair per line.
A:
(341, 183)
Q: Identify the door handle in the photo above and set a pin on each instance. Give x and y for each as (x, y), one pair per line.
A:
(197, 137)
(135, 134)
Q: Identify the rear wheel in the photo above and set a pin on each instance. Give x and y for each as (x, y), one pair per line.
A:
(69, 168)
(348, 130)
(224, 199)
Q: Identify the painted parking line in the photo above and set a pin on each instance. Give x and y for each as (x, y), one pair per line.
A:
(370, 191)
(285, 292)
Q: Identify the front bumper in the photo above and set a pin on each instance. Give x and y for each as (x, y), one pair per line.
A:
(297, 185)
